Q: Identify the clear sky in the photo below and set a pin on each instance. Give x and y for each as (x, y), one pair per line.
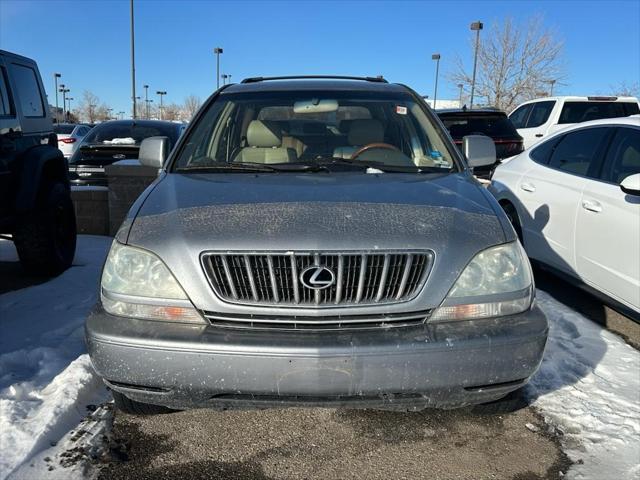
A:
(88, 41)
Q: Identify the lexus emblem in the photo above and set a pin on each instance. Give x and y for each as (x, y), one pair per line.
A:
(317, 277)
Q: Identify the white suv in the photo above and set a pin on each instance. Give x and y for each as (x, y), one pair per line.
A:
(538, 118)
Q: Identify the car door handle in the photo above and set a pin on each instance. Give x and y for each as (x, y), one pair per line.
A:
(538, 135)
(592, 206)
(528, 187)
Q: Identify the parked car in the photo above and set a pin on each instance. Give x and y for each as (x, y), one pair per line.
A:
(538, 118)
(112, 141)
(575, 200)
(278, 261)
(491, 122)
(69, 136)
(35, 199)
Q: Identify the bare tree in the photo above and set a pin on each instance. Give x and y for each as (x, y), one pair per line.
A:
(516, 62)
(624, 89)
(191, 105)
(171, 111)
(91, 108)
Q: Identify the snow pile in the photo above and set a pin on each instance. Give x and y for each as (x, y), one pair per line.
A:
(589, 388)
(120, 141)
(46, 379)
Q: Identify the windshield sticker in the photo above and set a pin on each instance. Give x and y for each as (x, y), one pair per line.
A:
(435, 154)
(400, 110)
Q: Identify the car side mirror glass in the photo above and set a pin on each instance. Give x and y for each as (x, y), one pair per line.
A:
(631, 184)
(154, 151)
(479, 150)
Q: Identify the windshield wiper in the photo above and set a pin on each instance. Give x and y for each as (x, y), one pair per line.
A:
(384, 167)
(254, 167)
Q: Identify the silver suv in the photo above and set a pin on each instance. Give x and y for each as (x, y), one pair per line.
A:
(315, 242)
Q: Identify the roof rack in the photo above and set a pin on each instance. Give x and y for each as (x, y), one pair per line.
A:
(378, 79)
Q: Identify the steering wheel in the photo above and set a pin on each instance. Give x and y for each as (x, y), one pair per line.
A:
(371, 146)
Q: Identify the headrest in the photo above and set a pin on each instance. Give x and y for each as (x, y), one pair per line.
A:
(363, 132)
(263, 134)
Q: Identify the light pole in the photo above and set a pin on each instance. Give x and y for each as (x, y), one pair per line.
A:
(133, 63)
(146, 100)
(460, 95)
(475, 26)
(217, 51)
(109, 110)
(69, 100)
(149, 102)
(64, 101)
(161, 93)
(436, 57)
(121, 114)
(552, 82)
(224, 78)
(56, 76)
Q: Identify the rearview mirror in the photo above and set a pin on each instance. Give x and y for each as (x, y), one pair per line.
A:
(631, 184)
(154, 151)
(315, 105)
(479, 150)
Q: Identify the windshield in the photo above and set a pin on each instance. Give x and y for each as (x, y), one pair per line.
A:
(129, 133)
(494, 126)
(305, 128)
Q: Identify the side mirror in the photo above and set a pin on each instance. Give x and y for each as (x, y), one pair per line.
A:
(479, 150)
(154, 151)
(631, 184)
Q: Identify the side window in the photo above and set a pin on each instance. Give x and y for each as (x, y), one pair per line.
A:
(542, 153)
(5, 104)
(631, 109)
(26, 82)
(540, 113)
(577, 150)
(519, 116)
(623, 157)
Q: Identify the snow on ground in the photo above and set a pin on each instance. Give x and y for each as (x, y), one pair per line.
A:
(46, 379)
(588, 387)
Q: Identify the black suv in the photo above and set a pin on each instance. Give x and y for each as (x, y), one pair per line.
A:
(486, 121)
(35, 198)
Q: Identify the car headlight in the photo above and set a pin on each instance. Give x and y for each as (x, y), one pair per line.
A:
(135, 283)
(497, 282)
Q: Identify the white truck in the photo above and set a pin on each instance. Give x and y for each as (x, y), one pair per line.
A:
(537, 118)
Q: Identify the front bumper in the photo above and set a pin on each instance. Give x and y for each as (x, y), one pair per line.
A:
(432, 365)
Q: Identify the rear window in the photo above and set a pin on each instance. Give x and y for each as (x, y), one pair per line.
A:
(576, 112)
(493, 126)
(130, 134)
(63, 129)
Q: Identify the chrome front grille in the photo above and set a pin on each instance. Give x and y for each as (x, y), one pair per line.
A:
(359, 278)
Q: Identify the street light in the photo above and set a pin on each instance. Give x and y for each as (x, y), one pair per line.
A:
(64, 100)
(69, 99)
(460, 95)
(475, 26)
(552, 82)
(225, 77)
(217, 51)
(436, 57)
(109, 110)
(133, 64)
(161, 93)
(56, 76)
(146, 100)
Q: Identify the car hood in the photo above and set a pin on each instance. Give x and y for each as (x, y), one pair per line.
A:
(184, 215)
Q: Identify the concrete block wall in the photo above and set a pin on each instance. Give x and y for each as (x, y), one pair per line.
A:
(92, 209)
(127, 180)
(101, 210)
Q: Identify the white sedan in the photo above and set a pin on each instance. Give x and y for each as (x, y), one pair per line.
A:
(574, 200)
(69, 136)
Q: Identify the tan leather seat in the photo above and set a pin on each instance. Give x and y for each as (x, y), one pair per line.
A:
(265, 145)
(361, 133)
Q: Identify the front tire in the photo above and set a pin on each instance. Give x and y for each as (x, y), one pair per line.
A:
(46, 238)
(126, 405)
